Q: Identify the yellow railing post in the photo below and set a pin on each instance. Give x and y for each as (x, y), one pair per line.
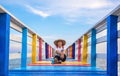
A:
(85, 49)
(34, 44)
(70, 51)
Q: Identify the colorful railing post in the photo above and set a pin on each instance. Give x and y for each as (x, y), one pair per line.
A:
(73, 51)
(76, 50)
(34, 41)
(49, 51)
(79, 50)
(112, 47)
(40, 49)
(4, 43)
(85, 49)
(70, 52)
(46, 50)
(93, 48)
(43, 50)
(66, 52)
(24, 48)
(52, 52)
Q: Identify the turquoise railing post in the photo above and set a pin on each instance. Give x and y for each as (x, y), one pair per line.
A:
(4, 43)
(112, 46)
(93, 48)
(73, 50)
(24, 48)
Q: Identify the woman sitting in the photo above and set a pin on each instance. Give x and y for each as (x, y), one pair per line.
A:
(59, 51)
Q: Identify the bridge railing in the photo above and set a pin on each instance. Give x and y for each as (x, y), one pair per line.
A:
(100, 46)
(21, 42)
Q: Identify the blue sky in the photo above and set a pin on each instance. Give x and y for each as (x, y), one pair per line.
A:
(54, 19)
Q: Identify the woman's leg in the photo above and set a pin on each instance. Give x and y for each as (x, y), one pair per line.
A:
(63, 59)
(56, 59)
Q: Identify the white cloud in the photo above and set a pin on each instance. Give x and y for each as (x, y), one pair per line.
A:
(38, 12)
(72, 7)
(70, 10)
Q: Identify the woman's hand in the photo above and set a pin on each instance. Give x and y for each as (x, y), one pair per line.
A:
(58, 52)
(62, 54)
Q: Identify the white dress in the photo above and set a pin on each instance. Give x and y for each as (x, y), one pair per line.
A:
(59, 49)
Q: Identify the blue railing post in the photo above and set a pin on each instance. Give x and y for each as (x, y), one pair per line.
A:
(112, 46)
(4, 43)
(46, 50)
(73, 50)
(93, 48)
(24, 48)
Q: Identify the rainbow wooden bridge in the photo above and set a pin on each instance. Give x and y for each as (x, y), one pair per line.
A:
(81, 55)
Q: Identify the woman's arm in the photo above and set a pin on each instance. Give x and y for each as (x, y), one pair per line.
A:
(58, 52)
(62, 54)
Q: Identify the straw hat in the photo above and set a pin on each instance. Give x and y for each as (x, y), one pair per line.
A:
(61, 40)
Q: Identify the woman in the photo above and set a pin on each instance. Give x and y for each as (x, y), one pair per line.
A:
(60, 52)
